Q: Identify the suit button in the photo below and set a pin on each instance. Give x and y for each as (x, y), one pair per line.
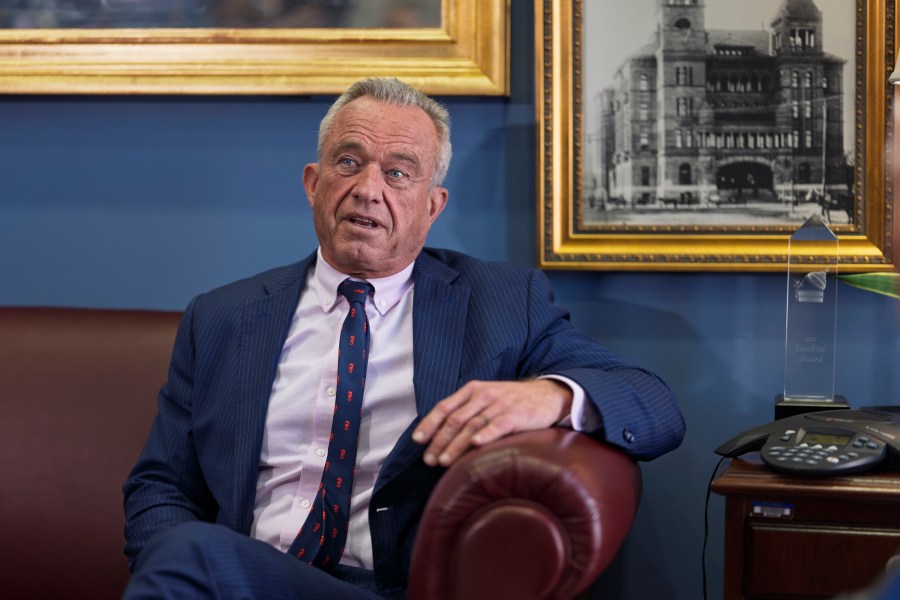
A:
(628, 435)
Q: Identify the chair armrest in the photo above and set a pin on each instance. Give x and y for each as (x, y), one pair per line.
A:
(534, 515)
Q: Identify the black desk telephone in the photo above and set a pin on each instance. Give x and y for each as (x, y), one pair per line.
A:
(829, 442)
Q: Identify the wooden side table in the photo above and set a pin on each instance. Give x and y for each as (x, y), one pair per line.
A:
(797, 537)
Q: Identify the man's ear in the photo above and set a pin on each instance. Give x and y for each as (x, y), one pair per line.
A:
(311, 181)
(437, 201)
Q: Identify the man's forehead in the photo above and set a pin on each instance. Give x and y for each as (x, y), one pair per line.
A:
(404, 131)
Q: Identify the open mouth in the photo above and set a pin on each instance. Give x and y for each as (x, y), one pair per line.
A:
(361, 222)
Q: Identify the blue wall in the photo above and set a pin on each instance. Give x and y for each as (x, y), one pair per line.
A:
(144, 202)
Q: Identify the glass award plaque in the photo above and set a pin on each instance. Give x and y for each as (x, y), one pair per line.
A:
(810, 321)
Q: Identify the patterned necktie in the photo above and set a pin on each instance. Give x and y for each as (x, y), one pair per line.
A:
(322, 537)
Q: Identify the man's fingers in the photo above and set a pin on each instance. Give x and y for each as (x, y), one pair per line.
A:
(481, 412)
(453, 412)
(435, 418)
(477, 425)
(460, 421)
(482, 430)
(494, 429)
(429, 424)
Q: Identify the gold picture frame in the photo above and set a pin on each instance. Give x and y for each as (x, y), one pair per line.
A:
(564, 243)
(468, 55)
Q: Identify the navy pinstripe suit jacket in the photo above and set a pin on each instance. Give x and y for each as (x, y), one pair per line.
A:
(471, 320)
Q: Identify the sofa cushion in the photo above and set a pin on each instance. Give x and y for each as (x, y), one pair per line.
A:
(78, 390)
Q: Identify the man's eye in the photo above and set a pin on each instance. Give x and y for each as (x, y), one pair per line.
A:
(396, 173)
(347, 162)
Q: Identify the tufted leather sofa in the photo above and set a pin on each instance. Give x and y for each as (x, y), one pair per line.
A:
(536, 515)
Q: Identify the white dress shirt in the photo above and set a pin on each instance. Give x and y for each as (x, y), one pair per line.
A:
(298, 422)
(301, 406)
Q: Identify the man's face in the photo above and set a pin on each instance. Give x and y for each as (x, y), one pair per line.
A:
(371, 194)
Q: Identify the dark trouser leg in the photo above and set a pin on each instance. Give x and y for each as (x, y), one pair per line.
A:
(202, 560)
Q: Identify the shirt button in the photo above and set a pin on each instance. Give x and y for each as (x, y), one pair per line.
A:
(628, 435)
(330, 391)
(382, 303)
(326, 302)
(304, 504)
(320, 452)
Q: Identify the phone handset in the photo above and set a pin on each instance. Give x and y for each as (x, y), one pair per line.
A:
(752, 439)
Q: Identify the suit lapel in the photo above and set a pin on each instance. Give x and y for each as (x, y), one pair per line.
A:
(439, 319)
(264, 327)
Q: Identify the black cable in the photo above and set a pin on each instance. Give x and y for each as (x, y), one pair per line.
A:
(706, 522)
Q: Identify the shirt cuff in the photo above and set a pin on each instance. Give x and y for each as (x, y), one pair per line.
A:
(584, 416)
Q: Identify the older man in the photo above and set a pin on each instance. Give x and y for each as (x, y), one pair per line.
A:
(310, 410)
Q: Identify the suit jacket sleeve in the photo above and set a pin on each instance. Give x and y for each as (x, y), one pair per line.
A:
(638, 410)
(166, 486)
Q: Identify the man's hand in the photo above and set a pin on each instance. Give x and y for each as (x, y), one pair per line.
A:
(483, 411)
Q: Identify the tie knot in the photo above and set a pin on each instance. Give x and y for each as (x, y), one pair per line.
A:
(355, 291)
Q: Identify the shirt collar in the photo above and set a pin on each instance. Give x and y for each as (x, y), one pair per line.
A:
(388, 290)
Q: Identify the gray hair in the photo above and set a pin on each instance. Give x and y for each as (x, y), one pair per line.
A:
(391, 90)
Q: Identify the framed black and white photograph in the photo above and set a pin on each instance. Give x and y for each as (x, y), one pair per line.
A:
(699, 134)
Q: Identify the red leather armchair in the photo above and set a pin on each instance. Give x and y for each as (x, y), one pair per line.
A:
(537, 515)
(534, 516)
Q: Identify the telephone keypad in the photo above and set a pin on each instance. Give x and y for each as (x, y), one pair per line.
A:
(805, 457)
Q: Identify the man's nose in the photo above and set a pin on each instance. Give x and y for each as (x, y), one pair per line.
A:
(369, 184)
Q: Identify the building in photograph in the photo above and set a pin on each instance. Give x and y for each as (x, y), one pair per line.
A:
(713, 117)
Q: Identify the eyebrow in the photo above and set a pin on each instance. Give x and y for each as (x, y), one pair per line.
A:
(352, 146)
(407, 158)
(344, 146)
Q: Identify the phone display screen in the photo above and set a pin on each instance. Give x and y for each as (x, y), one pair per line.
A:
(812, 437)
